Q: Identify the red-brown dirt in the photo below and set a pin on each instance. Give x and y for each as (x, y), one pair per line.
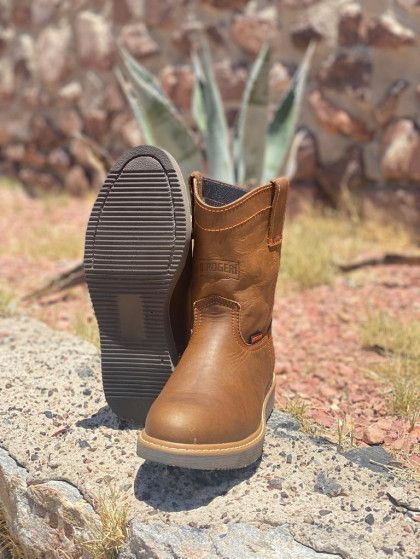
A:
(319, 355)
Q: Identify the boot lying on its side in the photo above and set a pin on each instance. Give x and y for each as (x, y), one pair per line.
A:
(212, 412)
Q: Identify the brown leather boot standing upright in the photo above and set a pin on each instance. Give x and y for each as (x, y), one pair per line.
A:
(213, 410)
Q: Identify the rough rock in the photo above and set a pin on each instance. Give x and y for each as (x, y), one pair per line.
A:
(7, 34)
(34, 180)
(399, 498)
(24, 56)
(71, 92)
(76, 181)
(78, 151)
(337, 120)
(345, 174)
(349, 25)
(59, 159)
(251, 31)
(231, 80)
(411, 5)
(401, 151)
(178, 82)
(226, 4)
(43, 131)
(347, 71)
(15, 152)
(94, 40)
(48, 518)
(5, 11)
(43, 10)
(229, 542)
(373, 435)
(21, 14)
(53, 53)
(55, 394)
(136, 38)
(159, 13)
(95, 122)
(48, 46)
(32, 97)
(395, 203)
(124, 11)
(130, 133)
(386, 108)
(7, 79)
(32, 158)
(303, 33)
(68, 122)
(387, 32)
(298, 4)
(327, 486)
(184, 36)
(305, 153)
(113, 97)
(279, 78)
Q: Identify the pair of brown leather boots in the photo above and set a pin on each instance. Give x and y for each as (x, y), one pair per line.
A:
(204, 395)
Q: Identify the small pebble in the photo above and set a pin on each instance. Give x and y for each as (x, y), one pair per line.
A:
(370, 519)
(324, 512)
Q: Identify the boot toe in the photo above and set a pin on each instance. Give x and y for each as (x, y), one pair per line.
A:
(185, 421)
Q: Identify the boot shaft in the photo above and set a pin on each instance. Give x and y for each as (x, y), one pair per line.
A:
(237, 240)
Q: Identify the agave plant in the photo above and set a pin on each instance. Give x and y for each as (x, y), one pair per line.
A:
(259, 147)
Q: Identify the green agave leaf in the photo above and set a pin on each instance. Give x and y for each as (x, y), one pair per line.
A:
(198, 104)
(252, 122)
(136, 107)
(161, 121)
(210, 116)
(283, 125)
(135, 69)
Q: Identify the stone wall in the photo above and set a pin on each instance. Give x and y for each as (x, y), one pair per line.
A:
(57, 82)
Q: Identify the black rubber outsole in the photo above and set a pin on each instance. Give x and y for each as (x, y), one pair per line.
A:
(137, 241)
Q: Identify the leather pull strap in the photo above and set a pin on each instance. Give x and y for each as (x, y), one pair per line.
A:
(196, 186)
(278, 211)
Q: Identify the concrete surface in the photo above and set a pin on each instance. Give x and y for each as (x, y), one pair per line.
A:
(302, 500)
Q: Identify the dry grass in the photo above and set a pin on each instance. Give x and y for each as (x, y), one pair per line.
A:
(391, 335)
(43, 229)
(298, 408)
(110, 534)
(85, 327)
(7, 301)
(402, 378)
(316, 240)
(58, 242)
(399, 342)
(344, 435)
(306, 258)
(8, 545)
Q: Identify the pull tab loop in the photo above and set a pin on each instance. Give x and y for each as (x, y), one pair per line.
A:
(278, 211)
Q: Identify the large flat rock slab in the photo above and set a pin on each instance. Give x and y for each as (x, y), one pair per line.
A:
(302, 500)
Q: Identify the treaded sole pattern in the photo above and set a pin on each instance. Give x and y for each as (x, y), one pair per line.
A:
(137, 241)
